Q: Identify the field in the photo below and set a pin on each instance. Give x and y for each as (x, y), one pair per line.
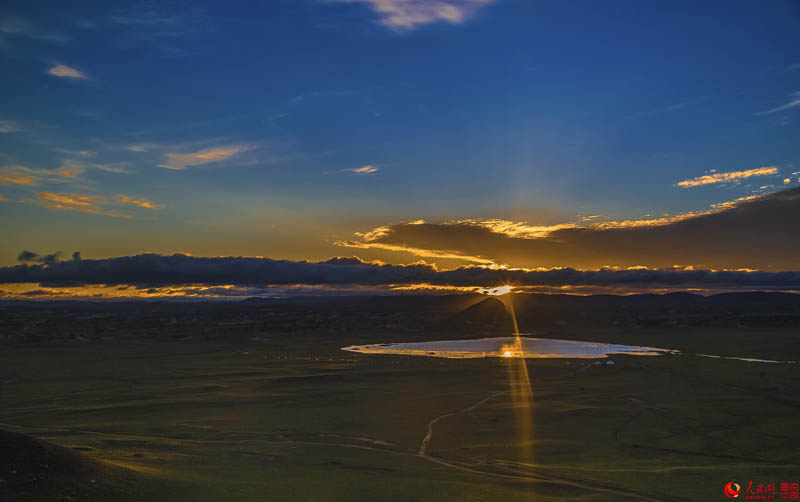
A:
(295, 418)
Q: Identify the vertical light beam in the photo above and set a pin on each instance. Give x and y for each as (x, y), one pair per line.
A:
(520, 387)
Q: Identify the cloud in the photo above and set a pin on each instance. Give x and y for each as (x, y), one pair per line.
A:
(65, 71)
(8, 126)
(69, 172)
(71, 202)
(22, 175)
(71, 167)
(109, 168)
(26, 256)
(516, 229)
(31, 257)
(138, 148)
(795, 101)
(368, 169)
(756, 232)
(124, 199)
(155, 271)
(75, 202)
(664, 110)
(164, 27)
(157, 20)
(17, 179)
(2, 199)
(725, 177)
(424, 253)
(179, 161)
(22, 28)
(404, 15)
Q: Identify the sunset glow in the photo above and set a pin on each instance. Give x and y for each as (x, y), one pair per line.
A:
(346, 250)
(498, 291)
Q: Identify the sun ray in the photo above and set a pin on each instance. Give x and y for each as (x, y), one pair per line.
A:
(519, 380)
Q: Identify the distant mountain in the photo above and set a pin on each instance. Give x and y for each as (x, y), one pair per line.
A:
(489, 312)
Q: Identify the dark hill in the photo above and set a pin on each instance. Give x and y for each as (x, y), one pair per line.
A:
(35, 470)
(490, 313)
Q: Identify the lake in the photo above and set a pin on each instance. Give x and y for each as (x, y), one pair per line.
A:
(528, 347)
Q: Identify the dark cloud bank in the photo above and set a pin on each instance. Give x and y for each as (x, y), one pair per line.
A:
(757, 234)
(762, 234)
(151, 270)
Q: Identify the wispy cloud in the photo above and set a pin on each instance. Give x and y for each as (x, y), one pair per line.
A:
(664, 109)
(795, 101)
(180, 161)
(164, 27)
(160, 19)
(110, 168)
(76, 202)
(139, 148)
(368, 169)
(329, 93)
(515, 229)
(21, 175)
(403, 15)
(68, 172)
(22, 28)
(124, 199)
(2, 199)
(7, 126)
(729, 176)
(65, 71)
(17, 179)
(72, 167)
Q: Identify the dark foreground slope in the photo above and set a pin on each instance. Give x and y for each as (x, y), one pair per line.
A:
(36, 470)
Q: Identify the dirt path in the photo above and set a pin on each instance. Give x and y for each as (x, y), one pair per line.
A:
(529, 475)
(424, 445)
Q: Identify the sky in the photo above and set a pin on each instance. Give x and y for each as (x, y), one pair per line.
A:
(481, 134)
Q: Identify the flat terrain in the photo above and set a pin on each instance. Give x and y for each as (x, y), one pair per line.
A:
(273, 414)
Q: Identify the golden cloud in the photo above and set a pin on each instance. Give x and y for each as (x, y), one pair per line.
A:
(403, 15)
(514, 228)
(65, 71)
(17, 179)
(368, 169)
(69, 172)
(178, 161)
(725, 177)
(76, 202)
(424, 253)
(138, 202)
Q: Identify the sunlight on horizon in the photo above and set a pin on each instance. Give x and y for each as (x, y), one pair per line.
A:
(498, 291)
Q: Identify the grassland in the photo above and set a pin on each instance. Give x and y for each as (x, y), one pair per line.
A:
(299, 419)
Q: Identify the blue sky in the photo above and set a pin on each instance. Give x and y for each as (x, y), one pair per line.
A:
(219, 129)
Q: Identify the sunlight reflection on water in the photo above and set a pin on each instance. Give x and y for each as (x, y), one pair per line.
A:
(508, 347)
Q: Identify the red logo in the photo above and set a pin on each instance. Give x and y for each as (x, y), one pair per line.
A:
(732, 490)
